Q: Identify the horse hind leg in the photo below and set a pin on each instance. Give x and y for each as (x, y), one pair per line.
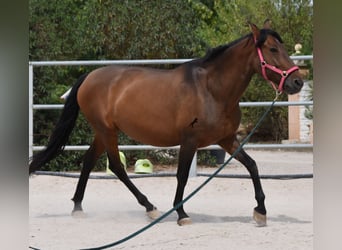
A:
(117, 168)
(89, 160)
(259, 213)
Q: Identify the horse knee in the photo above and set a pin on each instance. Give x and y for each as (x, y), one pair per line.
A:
(253, 169)
(249, 163)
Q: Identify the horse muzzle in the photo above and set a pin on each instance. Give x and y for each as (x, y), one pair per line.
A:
(293, 85)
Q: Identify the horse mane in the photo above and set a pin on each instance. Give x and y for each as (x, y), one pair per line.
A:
(213, 53)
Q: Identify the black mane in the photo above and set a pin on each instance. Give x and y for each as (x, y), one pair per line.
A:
(215, 52)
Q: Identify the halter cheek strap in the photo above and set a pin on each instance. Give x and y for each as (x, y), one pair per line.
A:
(283, 74)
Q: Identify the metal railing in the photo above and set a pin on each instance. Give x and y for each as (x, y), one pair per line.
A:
(33, 106)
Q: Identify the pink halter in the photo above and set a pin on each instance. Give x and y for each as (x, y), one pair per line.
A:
(283, 74)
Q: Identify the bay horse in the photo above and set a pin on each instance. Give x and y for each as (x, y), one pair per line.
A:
(193, 105)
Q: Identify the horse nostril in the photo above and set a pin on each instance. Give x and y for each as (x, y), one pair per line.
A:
(298, 82)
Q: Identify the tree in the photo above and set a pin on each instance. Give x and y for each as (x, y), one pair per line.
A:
(224, 21)
(140, 29)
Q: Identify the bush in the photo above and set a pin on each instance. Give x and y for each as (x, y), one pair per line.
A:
(275, 127)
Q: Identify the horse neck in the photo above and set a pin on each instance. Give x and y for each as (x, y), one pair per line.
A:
(232, 72)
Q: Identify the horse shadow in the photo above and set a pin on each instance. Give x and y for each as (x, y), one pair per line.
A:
(195, 217)
(207, 218)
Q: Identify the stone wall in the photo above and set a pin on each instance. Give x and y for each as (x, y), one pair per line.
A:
(305, 129)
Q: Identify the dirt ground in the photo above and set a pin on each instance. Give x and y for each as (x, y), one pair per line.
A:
(221, 212)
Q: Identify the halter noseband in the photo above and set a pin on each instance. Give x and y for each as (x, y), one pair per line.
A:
(283, 74)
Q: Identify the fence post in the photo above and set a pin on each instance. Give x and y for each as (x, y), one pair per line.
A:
(193, 167)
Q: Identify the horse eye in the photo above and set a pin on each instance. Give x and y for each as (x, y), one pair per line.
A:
(273, 50)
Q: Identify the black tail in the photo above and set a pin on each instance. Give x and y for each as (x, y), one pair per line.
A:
(62, 130)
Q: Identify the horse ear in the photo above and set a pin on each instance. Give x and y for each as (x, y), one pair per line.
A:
(255, 30)
(267, 24)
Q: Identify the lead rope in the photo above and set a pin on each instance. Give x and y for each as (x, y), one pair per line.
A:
(278, 93)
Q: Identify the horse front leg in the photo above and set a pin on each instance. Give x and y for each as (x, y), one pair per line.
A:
(186, 154)
(259, 214)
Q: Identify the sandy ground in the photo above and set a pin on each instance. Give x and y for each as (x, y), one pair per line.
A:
(221, 212)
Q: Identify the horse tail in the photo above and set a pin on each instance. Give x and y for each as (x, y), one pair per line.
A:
(62, 130)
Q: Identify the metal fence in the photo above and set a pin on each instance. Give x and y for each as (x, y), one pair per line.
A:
(33, 106)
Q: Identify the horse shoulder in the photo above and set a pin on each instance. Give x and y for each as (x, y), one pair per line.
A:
(194, 74)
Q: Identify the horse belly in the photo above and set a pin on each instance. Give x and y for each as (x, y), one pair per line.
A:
(148, 120)
(149, 133)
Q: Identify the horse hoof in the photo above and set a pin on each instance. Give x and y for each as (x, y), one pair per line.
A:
(154, 214)
(78, 214)
(184, 221)
(259, 218)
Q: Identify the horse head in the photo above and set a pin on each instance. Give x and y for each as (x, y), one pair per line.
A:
(273, 62)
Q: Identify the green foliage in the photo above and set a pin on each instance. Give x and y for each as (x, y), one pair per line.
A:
(224, 21)
(140, 29)
(274, 127)
(206, 158)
